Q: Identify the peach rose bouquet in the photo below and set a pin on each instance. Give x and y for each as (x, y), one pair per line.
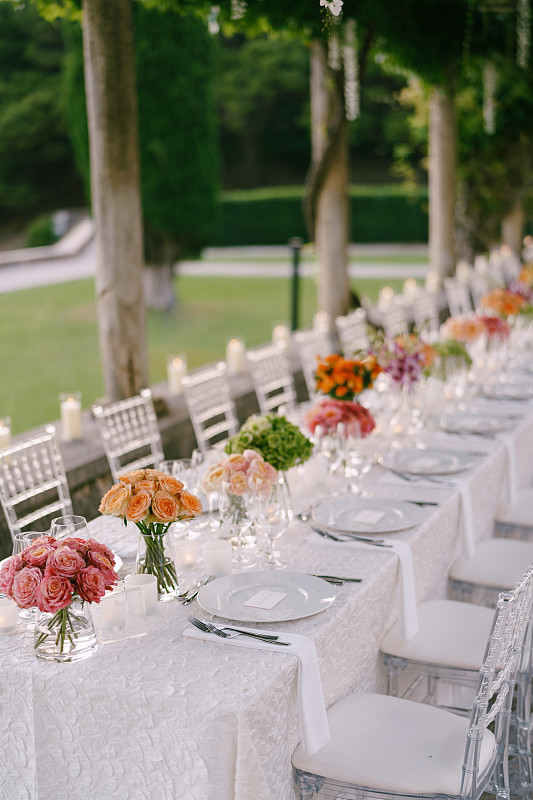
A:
(152, 500)
(239, 474)
(51, 574)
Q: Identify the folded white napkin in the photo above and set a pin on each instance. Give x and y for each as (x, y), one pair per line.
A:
(467, 517)
(406, 583)
(314, 726)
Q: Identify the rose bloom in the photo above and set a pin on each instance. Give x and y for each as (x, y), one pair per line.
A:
(191, 503)
(153, 474)
(146, 486)
(138, 507)
(91, 584)
(37, 554)
(170, 484)
(64, 562)
(102, 548)
(53, 593)
(213, 477)
(105, 565)
(237, 483)
(8, 571)
(25, 585)
(236, 462)
(165, 507)
(116, 500)
(132, 477)
(79, 545)
(464, 329)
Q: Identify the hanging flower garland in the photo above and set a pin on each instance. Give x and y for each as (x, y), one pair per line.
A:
(352, 95)
(523, 33)
(490, 76)
(238, 9)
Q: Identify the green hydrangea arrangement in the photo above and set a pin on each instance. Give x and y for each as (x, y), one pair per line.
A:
(280, 442)
(450, 348)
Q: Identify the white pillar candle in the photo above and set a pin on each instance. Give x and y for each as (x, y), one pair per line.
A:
(9, 614)
(176, 370)
(281, 335)
(144, 601)
(385, 297)
(410, 287)
(432, 282)
(70, 409)
(235, 356)
(217, 557)
(185, 552)
(321, 322)
(5, 432)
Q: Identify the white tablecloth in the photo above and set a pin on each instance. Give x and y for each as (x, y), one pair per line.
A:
(169, 717)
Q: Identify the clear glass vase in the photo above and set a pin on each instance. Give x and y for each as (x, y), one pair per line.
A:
(156, 557)
(67, 635)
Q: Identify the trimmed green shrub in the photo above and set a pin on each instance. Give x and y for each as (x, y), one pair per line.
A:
(381, 214)
(41, 232)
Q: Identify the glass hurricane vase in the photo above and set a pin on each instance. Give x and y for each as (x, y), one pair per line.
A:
(155, 557)
(67, 635)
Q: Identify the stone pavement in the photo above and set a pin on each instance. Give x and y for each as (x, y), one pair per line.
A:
(73, 258)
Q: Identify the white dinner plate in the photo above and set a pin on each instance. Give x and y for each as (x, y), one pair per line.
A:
(118, 562)
(510, 390)
(465, 422)
(427, 462)
(297, 595)
(367, 515)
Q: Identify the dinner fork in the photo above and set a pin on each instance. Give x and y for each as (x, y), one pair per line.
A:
(231, 633)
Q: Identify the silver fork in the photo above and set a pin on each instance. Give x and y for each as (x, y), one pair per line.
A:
(231, 633)
(185, 600)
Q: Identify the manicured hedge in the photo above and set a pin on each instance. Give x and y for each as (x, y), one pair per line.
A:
(274, 215)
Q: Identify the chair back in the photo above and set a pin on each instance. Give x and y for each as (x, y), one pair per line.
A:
(312, 345)
(479, 286)
(505, 657)
(33, 483)
(394, 319)
(426, 315)
(457, 297)
(211, 408)
(272, 377)
(130, 433)
(352, 332)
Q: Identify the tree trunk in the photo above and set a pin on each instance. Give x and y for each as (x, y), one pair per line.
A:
(513, 228)
(115, 187)
(327, 201)
(442, 158)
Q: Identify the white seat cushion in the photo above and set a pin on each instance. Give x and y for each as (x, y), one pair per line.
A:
(521, 512)
(499, 563)
(394, 745)
(450, 634)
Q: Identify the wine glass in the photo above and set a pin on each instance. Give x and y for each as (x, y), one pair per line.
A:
(272, 518)
(202, 462)
(21, 541)
(237, 516)
(69, 525)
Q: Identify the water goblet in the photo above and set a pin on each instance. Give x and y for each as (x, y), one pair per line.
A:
(69, 525)
(272, 517)
(237, 515)
(21, 541)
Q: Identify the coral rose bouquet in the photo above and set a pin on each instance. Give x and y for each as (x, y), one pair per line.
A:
(56, 576)
(326, 416)
(343, 378)
(152, 500)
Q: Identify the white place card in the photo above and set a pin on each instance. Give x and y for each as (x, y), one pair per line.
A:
(368, 515)
(265, 598)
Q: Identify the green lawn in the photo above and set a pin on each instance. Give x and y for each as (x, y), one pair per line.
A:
(49, 341)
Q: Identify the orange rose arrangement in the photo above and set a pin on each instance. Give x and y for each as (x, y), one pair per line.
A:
(504, 302)
(152, 500)
(343, 378)
(526, 275)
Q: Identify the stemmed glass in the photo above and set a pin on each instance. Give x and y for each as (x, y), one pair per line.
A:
(272, 518)
(237, 515)
(70, 525)
(20, 542)
(202, 462)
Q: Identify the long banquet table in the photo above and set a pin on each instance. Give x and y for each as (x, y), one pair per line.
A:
(171, 717)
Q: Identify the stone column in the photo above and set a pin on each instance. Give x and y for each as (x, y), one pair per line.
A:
(513, 228)
(442, 157)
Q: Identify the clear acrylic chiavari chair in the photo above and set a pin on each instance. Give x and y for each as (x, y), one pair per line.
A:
(272, 378)
(211, 408)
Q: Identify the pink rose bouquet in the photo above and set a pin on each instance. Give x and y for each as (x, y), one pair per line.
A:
(327, 414)
(242, 472)
(50, 573)
(496, 328)
(152, 500)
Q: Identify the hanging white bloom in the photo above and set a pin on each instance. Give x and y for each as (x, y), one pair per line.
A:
(334, 52)
(490, 76)
(333, 6)
(212, 21)
(523, 31)
(352, 94)
(238, 9)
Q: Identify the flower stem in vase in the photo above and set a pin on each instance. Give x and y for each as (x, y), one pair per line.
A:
(154, 558)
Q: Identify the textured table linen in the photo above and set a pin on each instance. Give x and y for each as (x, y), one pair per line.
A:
(168, 717)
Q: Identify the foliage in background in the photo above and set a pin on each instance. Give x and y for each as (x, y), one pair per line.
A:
(40, 232)
(37, 170)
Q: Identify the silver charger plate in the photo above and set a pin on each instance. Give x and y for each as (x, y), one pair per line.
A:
(429, 461)
(472, 423)
(305, 596)
(367, 515)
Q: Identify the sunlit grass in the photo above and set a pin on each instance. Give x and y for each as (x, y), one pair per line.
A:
(49, 341)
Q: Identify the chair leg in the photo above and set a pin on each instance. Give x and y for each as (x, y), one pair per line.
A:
(307, 785)
(393, 666)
